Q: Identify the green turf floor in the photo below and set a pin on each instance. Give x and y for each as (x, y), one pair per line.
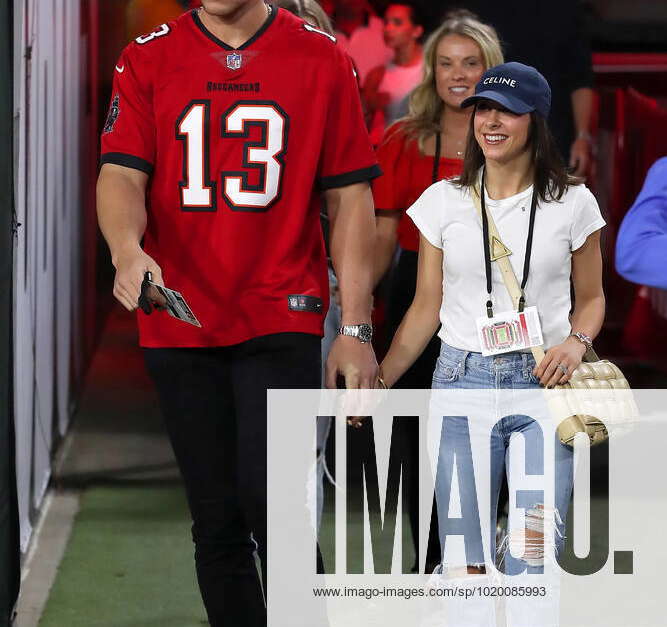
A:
(129, 562)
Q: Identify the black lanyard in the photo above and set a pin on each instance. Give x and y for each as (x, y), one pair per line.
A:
(436, 160)
(487, 249)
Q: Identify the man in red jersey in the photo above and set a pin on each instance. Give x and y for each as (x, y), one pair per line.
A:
(225, 127)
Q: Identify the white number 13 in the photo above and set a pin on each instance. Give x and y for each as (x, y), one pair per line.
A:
(265, 155)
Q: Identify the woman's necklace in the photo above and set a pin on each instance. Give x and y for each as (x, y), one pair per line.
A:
(459, 146)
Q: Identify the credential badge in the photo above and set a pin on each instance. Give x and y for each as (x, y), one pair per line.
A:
(234, 61)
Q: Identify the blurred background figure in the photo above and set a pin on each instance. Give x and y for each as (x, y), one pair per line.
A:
(387, 87)
(641, 247)
(425, 146)
(359, 31)
(552, 37)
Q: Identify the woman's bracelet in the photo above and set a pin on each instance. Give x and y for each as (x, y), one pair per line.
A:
(583, 338)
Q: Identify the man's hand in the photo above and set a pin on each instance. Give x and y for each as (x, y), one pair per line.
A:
(580, 156)
(131, 265)
(353, 360)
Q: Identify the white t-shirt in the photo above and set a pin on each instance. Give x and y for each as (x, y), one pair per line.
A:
(446, 216)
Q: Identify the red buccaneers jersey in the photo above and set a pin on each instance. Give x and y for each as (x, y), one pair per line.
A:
(238, 143)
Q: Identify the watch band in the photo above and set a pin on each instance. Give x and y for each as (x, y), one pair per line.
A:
(363, 332)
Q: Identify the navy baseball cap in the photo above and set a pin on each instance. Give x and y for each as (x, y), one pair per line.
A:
(517, 87)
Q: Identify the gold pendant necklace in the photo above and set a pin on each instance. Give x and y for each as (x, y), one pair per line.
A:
(459, 153)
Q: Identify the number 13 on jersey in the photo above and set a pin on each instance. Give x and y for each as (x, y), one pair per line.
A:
(265, 155)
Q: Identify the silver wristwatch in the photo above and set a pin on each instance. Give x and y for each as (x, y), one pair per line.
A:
(583, 338)
(363, 332)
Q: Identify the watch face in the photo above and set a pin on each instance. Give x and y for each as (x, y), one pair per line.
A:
(365, 332)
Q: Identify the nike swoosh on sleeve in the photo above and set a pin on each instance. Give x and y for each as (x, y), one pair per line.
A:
(120, 69)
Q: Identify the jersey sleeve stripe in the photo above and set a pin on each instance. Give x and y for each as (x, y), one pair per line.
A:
(349, 178)
(129, 161)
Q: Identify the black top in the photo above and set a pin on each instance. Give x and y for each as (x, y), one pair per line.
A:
(552, 37)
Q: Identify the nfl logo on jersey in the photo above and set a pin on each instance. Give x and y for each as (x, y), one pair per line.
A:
(234, 61)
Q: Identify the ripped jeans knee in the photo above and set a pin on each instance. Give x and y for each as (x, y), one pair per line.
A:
(541, 538)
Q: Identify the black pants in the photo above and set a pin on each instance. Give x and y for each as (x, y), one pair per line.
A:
(419, 376)
(214, 406)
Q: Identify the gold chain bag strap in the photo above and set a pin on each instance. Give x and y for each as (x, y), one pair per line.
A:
(597, 397)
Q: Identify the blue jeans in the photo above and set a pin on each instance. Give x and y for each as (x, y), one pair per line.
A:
(489, 422)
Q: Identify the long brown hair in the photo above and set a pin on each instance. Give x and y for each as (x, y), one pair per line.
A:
(551, 176)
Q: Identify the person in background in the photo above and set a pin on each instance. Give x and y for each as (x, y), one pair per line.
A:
(552, 36)
(641, 247)
(420, 149)
(387, 87)
(360, 33)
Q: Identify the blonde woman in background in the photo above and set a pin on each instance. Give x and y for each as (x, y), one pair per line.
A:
(425, 146)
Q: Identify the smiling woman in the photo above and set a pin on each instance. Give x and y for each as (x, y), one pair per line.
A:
(551, 223)
(428, 144)
(504, 131)
(502, 134)
(424, 147)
